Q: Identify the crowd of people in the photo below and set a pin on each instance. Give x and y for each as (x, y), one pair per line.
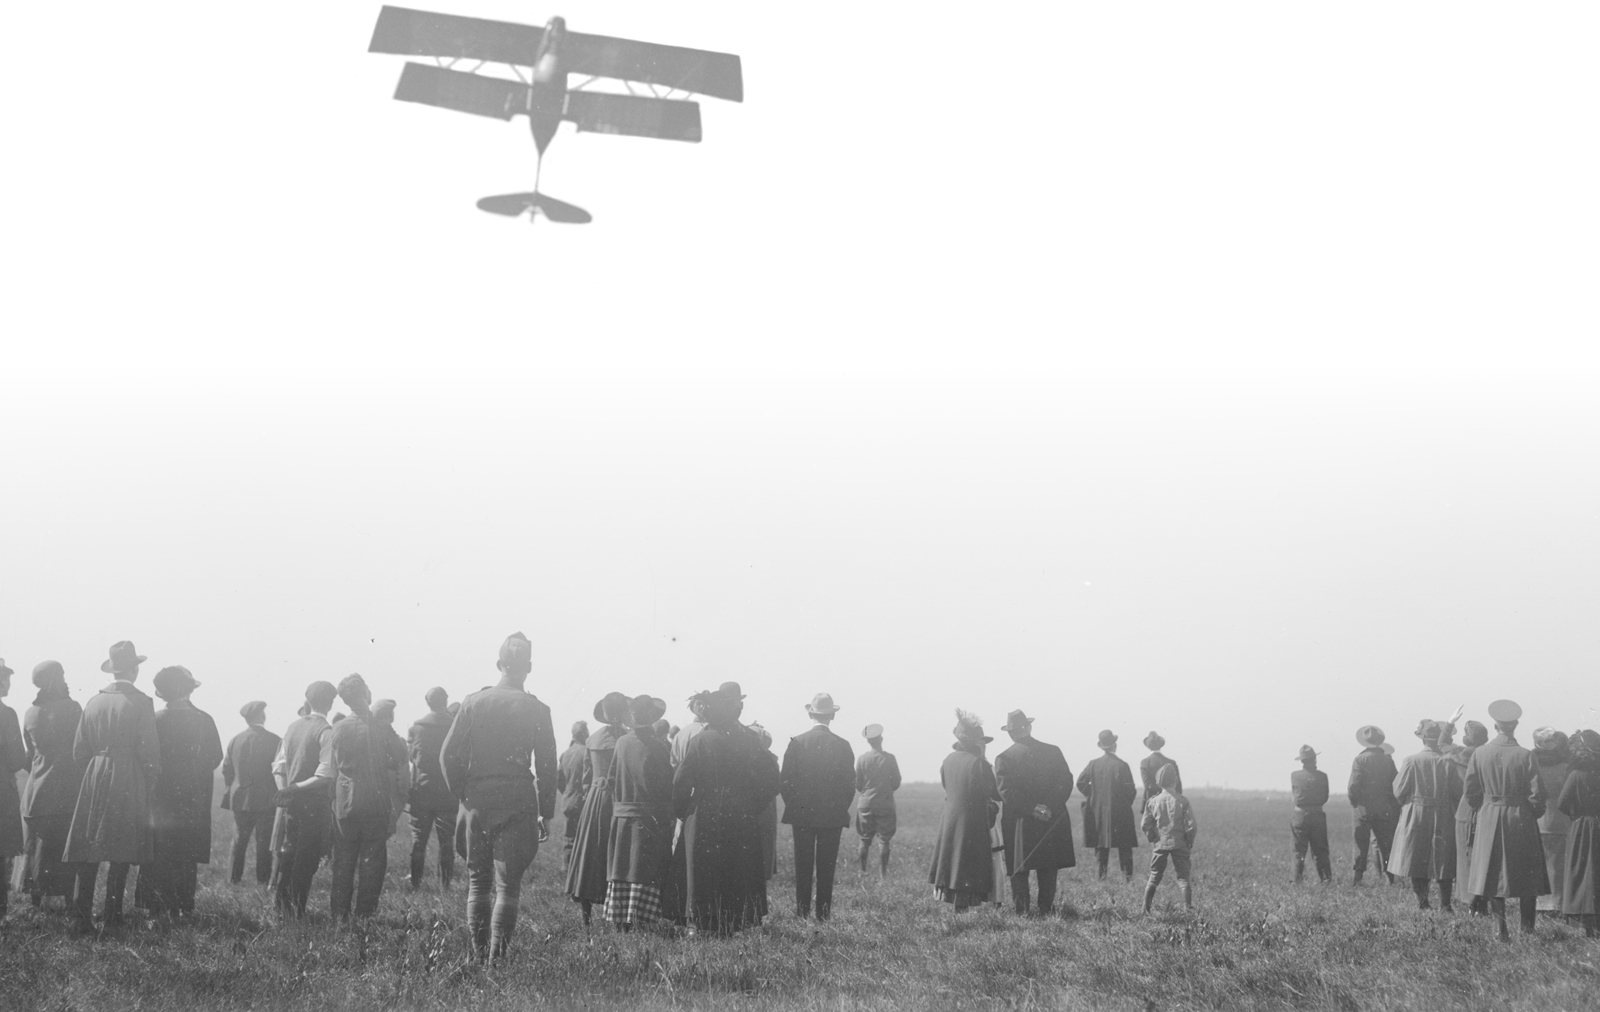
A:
(669, 826)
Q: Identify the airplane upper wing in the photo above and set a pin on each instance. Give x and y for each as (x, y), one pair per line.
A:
(479, 94)
(424, 33)
(634, 115)
(697, 70)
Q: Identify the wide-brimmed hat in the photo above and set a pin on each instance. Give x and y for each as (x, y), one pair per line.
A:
(730, 689)
(1016, 720)
(613, 709)
(1306, 752)
(253, 711)
(1107, 739)
(46, 673)
(123, 657)
(1153, 741)
(1548, 739)
(872, 731)
(1369, 736)
(515, 648)
(969, 728)
(1504, 710)
(174, 682)
(821, 703)
(645, 710)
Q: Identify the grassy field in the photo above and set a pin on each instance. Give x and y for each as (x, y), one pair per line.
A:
(1255, 941)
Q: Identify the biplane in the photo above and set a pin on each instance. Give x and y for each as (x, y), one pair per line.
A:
(540, 62)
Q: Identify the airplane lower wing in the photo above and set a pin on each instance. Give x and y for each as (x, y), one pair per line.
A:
(697, 70)
(478, 94)
(633, 115)
(410, 32)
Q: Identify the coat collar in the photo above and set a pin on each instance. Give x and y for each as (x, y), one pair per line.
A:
(125, 688)
(1504, 739)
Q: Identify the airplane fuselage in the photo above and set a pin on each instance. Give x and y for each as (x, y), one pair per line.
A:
(548, 95)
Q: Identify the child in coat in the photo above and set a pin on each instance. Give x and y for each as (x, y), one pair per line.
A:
(1169, 824)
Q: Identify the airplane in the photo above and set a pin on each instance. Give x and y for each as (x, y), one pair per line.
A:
(541, 59)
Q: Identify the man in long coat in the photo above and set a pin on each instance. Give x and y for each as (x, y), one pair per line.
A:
(116, 742)
(818, 784)
(719, 790)
(1309, 823)
(180, 805)
(48, 730)
(500, 762)
(13, 760)
(1371, 794)
(569, 787)
(963, 868)
(1034, 782)
(433, 807)
(1504, 790)
(1151, 765)
(1428, 788)
(1474, 735)
(307, 815)
(641, 819)
(249, 792)
(1108, 797)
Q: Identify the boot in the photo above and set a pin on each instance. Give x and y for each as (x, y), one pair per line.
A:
(1149, 896)
(1446, 888)
(883, 860)
(1420, 887)
(1359, 872)
(1188, 894)
(1299, 870)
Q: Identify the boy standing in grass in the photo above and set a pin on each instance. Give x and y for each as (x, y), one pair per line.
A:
(1169, 824)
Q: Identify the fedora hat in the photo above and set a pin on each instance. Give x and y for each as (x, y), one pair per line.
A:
(1306, 752)
(123, 657)
(730, 689)
(613, 709)
(872, 731)
(1369, 736)
(1016, 720)
(1504, 710)
(821, 703)
(645, 710)
(1107, 739)
(969, 728)
(1153, 741)
(174, 682)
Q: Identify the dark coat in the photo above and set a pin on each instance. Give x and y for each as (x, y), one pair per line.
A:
(501, 752)
(1108, 797)
(1428, 789)
(369, 762)
(1149, 766)
(818, 780)
(962, 858)
(13, 760)
(424, 743)
(116, 742)
(1580, 802)
(641, 809)
(1029, 773)
(722, 786)
(586, 875)
(1503, 788)
(48, 731)
(180, 805)
(247, 783)
(1371, 789)
(569, 780)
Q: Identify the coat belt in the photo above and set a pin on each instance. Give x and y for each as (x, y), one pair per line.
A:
(1429, 803)
(1503, 799)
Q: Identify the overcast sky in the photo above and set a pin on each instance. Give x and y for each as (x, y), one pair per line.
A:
(1227, 373)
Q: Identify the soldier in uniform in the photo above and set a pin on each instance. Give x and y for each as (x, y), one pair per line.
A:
(1428, 788)
(877, 778)
(499, 752)
(180, 805)
(818, 786)
(48, 731)
(306, 816)
(1504, 789)
(1371, 794)
(248, 791)
(1034, 783)
(1309, 823)
(433, 807)
(1108, 797)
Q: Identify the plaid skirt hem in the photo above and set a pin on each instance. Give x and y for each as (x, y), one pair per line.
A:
(632, 903)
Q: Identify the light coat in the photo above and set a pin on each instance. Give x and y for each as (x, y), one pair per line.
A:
(1428, 787)
(1504, 790)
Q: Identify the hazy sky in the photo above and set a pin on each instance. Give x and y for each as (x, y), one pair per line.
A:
(1228, 373)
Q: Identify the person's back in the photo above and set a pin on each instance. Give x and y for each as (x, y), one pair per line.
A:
(362, 766)
(877, 778)
(424, 742)
(302, 748)
(1309, 788)
(1170, 826)
(818, 779)
(494, 766)
(1371, 789)
(1308, 825)
(247, 770)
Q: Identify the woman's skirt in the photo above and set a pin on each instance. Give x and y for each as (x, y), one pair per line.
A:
(1580, 894)
(1555, 866)
(632, 902)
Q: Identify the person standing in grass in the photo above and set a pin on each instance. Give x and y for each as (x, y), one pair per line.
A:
(433, 807)
(180, 805)
(586, 874)
(305, 816)
(1473, 735)
(1151, 764)
(877, 778)
(248, 791)
(569, 786)
(1504, 789)
(1309, 823)
(768, 820)
(1034, 783)
(1580, 802)
(13, 760)
(641, 819)
(1428, 788)
(1550, 752)
(1371, 794)
(963, 871)
(48, 730)
(818, 785)
(1108, 797)
(499, 752)
(1169, 824)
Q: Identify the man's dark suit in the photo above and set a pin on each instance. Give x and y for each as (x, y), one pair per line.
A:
(433, 807)
(250, 792)
(1031, 773)
(818, 784)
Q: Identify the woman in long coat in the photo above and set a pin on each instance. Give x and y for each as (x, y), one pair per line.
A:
(48, 730)
(180, 805)
(13, 758)
(641, 819)
(586, 875)
(1551, 754)
(1473, 735)
(720, 790)
(1580, 802)
(963, 870)
(1428, 787)
(769, 818)
(1108, 796)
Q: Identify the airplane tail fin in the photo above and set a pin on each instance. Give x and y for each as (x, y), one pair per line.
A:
(513, 205)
